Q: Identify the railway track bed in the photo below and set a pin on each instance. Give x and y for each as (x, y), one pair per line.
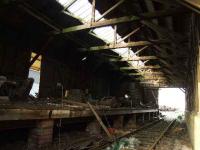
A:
(145, 138)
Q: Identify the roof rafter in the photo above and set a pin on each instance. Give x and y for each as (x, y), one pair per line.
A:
(126, 45)
(151, 78)
(140, 67)
(146, 73)
(172, 36)
(134, 58)
(130, 34)
(114, 21)
(111, 9)
(193, 5)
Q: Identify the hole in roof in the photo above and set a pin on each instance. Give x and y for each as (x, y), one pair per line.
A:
(82, 9)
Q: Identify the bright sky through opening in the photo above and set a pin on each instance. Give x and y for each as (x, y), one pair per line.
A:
(172, 97)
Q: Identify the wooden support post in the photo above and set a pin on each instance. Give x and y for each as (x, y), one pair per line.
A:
(93, 12)
(143, 119)
(43, 49)
(115, 35)
(149, 116)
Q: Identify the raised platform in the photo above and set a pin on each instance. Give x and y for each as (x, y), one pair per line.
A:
(32, 114)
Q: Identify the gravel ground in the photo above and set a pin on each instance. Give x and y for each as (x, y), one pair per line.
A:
(177, 139)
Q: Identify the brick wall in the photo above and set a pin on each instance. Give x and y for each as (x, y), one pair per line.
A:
(41, 136)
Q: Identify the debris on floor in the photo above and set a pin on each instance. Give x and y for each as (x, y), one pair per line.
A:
(125, 144)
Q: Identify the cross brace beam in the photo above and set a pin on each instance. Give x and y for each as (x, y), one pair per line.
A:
(114, 21)
(134, 59)
(193, 5)
(126, 45)
(140, 67)
(146, 74)
(151, 78)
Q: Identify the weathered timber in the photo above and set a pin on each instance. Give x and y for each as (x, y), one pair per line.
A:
(151, 78)
(111, 9)
(193, 5)
(145, 73)
(32, 114)
(140, 67)
(134, 58)
(126, 45)
(100, 121)
(150, 15)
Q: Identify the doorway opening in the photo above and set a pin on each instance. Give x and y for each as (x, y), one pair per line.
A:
(172, 102)
(34, 72)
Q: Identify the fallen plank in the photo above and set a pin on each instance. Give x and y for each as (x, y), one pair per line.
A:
(100, 121)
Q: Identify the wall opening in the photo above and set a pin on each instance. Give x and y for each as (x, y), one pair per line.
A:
(171, 102)
(34, 72)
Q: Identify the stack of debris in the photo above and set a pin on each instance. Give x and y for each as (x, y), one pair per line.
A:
(14, 90)
(125, 144)
(75, 95)
(109, 101)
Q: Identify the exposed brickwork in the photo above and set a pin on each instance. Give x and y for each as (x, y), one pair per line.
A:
(41, 136)
(131, 122)
(93, 128)
(118, 122)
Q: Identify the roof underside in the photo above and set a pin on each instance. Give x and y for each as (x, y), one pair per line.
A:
(145, 40)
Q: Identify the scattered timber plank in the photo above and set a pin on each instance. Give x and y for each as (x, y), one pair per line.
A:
(100, 121)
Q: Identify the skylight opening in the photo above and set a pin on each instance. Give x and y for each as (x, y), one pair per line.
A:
(64, 2)
(83, 9)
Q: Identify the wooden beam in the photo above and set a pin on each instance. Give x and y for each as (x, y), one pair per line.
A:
(146, 73)
(47, 21)
(154, 85)
(93, 11)
(134, 58)
(114, 21)
(153, 82)
(166, 2)
(71, 3)
(174, 37)
(130, 34)
(193, 5)
(40, 17)
(43, 49)
(153, 76)
(111, 9)
(126, 45)
(100, 121)
(146, 79)
(140, 67)
(140, 50)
